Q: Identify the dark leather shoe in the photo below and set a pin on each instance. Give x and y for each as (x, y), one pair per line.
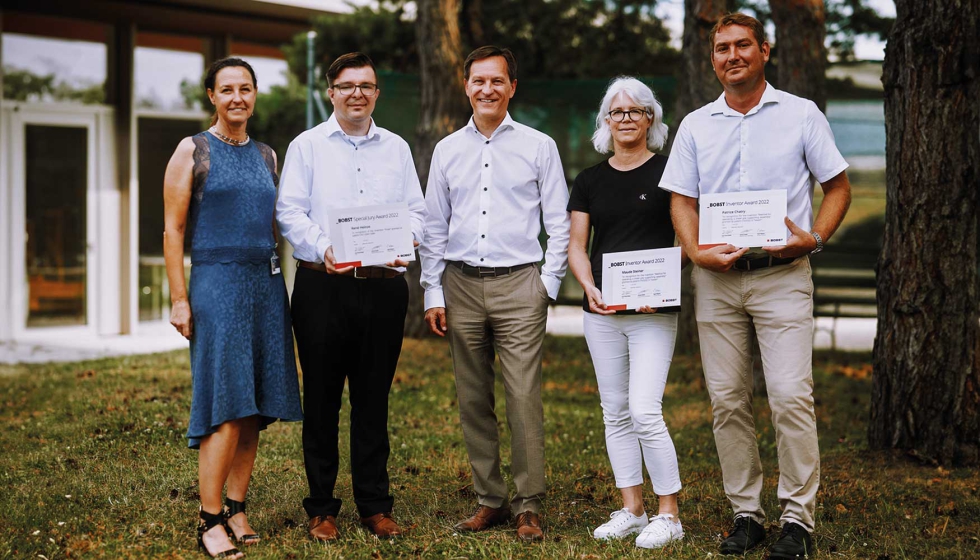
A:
(744, 536)
(794, 542)
(484, 518)
(382, 525)
(529, 527)
(324, 528)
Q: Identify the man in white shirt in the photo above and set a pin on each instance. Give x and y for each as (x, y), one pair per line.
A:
(491, 184)
(755, 137)
(348, 321)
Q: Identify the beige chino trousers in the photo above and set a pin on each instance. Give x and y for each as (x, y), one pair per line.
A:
(779, 301)
(505, 315)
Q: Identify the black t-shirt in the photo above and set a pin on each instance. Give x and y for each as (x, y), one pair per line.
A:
(628, 212)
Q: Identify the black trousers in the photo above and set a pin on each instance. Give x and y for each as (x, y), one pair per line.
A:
(347, 329)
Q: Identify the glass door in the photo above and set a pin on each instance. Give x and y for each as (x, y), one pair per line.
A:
(55, 220)
(56, 224)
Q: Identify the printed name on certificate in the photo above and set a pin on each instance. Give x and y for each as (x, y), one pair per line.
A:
(742, 219)
(371, 235)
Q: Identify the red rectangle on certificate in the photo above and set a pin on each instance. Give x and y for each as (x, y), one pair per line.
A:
(346, 264)
(620, 307)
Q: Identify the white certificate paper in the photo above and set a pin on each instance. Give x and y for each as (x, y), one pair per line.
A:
(633, 279)
(743, 219)
(371, 235)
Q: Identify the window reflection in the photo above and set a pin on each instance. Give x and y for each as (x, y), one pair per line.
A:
(44, 69)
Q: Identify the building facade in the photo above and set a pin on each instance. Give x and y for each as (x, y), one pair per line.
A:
(96, 96)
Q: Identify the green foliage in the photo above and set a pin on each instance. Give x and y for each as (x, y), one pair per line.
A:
(24, 85)
(553, 39)
(280, 116)
(94, 465)
(571, 39)
(848, 19)
(381, 32)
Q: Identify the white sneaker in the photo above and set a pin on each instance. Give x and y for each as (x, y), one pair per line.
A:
(621, 524)
(661, 530)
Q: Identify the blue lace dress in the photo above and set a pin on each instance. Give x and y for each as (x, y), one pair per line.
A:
(242, 361)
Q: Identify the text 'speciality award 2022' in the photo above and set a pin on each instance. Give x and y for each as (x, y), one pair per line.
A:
(371, 235)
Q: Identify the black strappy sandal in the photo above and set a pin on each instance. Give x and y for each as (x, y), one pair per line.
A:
(207, 522)
(233, 508)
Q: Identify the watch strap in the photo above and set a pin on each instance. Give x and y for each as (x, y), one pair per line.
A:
(819, 246)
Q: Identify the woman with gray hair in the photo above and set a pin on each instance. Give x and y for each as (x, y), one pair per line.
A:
(619, 203)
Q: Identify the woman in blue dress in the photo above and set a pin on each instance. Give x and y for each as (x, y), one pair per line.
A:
(220, 191)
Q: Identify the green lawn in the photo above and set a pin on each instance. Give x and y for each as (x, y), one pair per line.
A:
(94, 465)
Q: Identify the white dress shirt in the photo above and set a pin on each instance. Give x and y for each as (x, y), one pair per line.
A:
(777, 145)
(326, 169)
(485, 202)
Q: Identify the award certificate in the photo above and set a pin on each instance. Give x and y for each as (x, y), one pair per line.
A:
(633, 279)
(743, 219)
(371, 235)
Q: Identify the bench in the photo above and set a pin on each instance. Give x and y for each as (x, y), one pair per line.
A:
(844, 284)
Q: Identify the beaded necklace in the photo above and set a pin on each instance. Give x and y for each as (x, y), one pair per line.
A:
(232, 141)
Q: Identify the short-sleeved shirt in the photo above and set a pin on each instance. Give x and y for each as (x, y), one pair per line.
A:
(778, 144)
(626, 210)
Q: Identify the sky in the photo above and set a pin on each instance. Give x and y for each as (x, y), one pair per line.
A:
(158, 72)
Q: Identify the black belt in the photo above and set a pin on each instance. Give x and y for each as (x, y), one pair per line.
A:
(487, 271)
(746, 265)
(359, 272)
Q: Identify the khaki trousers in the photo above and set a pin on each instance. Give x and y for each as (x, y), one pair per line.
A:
(779, 302)
(506, 315)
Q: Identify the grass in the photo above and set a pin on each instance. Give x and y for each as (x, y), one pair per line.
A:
(94, 465)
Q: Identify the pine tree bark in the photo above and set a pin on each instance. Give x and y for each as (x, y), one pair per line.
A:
(696, 86)
(696, 82)
(801, 61)
(926, 383)
(442, 110)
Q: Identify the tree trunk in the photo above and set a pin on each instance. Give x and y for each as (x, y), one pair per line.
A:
(696, 82)
(442, 110)
(926, 384)
(801, 62)
(696, 86)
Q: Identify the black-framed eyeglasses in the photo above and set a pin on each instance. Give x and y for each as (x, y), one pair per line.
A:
(367, 89)
(635, 114)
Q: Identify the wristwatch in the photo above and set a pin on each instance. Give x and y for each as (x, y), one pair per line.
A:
(819, 243)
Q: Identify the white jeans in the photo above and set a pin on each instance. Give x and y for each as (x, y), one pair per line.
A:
(631, 355)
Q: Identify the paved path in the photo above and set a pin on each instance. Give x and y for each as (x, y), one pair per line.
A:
(41, 347)
(852, 335)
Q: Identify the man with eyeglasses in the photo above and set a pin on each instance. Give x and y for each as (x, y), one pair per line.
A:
(491, 185)
(348, 321)
(757, 138)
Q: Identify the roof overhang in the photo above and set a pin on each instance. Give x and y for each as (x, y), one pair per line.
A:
(263, 21)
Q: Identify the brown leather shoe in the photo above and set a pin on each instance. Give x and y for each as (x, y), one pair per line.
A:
(324, 528)
(382, 525)
(484, 518)
(529, 526)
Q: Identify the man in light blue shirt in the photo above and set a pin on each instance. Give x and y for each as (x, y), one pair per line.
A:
(348, 321)
(491, 185)
(757, 138)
